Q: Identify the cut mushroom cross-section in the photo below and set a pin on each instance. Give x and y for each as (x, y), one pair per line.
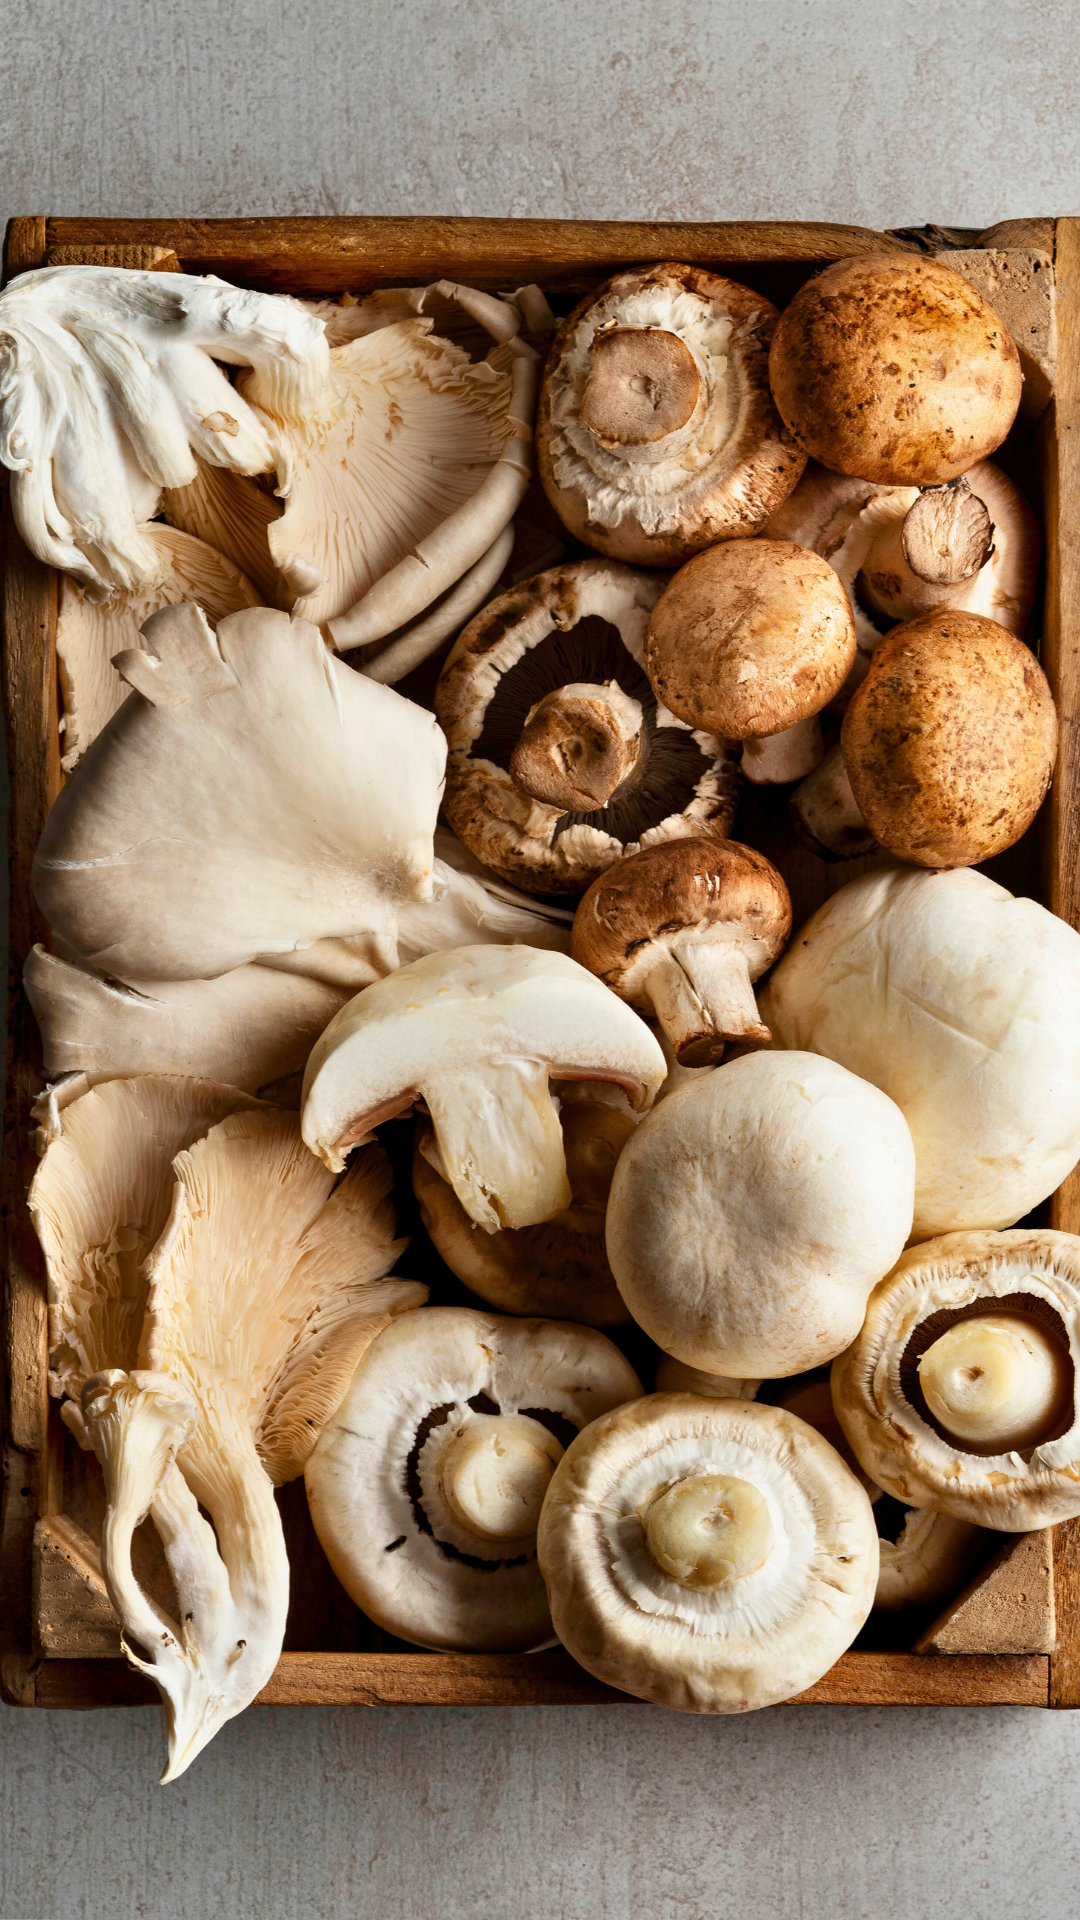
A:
(427, 1488)
(478, 1033)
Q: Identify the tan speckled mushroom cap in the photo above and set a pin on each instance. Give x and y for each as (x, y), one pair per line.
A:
(893, 368)
(750, 1640)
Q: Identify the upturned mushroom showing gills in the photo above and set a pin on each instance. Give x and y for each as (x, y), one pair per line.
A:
(893, 368)
(561, 757)
(963, 1005)
(681, 931)
(252, 796)
(950, 741)
(657, 433)
(959, 1394)
(752, 1213)
(478, 1034)
(426, 1489)
(750, 641)
(708, 1555)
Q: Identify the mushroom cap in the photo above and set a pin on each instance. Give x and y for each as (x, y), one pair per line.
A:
(750, 638)
(672, 1376)
(724, 461)
(1035, 1272)
(374, 1486)
(950, 741)
(545, 634)
(893, 368)
(930, 1560)
(752, 1213)
(963, 1005)
(751, 1642)
(641, 910)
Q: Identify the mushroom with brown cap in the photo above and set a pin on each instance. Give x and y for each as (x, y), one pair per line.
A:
(750, 641)
(560, 757)
(959, 1393)
(752, 1213)
(478, 1033)
(681, 931)
(893, 368)
(657, 433)
(426, 1489)
(709, 1555)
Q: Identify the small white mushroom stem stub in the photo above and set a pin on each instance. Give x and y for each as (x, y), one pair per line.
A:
(700, 988)
(577, 745)
(777, 758)
(499, 1133)
(709, 1529)
(494, 1473)
(995, 1382)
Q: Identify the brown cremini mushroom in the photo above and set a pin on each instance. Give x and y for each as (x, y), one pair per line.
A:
(893, 368)
(657, 433)
(681, 931)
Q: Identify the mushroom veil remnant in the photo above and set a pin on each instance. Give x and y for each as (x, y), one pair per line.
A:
(657, 433)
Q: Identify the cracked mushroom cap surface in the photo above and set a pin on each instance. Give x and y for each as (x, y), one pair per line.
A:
(709, 1555)
(961, 1003)
(893, 368)
(750, 638)
(950, 741)
(1011, 1302)
(426, 1489)
(657, 433)
(581, 626)
(752, 1213)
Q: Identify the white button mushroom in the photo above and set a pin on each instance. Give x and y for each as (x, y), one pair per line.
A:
(752, 1213)
(426, 1489)
(963, 1005)
(709, 1555)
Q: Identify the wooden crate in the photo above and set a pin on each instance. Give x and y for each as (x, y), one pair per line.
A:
(59, 1641)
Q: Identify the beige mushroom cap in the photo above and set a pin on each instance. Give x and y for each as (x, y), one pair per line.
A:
(950, 741)
(750, 1640)
(750, 638)
(657, 433)
(1030, 1275)
(752, 1213)
(424, 1489)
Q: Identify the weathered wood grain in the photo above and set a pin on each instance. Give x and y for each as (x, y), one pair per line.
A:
(146, 259)
(73, 1615)
(1007, 1608)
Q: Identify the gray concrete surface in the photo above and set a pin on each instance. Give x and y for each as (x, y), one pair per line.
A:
(886, 112)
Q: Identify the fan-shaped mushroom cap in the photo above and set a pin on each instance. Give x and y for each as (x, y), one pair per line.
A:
(681, 930)
(477, 1033)
(1014, 1298)
(558, 1268)
(425, 1490)
(657, 433)
(750, 638)
(892, 367)
(253, 796)
(709, 1555)
(673, 1377)
(963, 1005)
(950, 741)
(751, 1214)
(512, 669)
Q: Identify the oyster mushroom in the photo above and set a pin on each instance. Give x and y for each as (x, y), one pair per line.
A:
(963, 1005)
(959, 1394)
(752, 1213)
(709, 1555)
(893, 368)
(560, 759)
(478, 1033)
(657, 433)
(750, 641)
(426, 1489)
(253, 796)
(681, 930)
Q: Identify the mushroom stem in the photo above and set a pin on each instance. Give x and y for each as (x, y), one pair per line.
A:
(709, 1529)
(778, 758)
(500, 1140)
(578, 745)
(702, 995)
(494, 1474)
(994, 1383)
(643, 385)
(825, 813)
(414, 644)
(916, 563)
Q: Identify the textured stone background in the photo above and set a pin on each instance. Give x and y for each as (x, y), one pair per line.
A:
(886, 112)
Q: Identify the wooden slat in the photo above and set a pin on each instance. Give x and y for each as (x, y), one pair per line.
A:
(73, 1614)
(24, 244)
(1007, 1608)
(141, 259)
